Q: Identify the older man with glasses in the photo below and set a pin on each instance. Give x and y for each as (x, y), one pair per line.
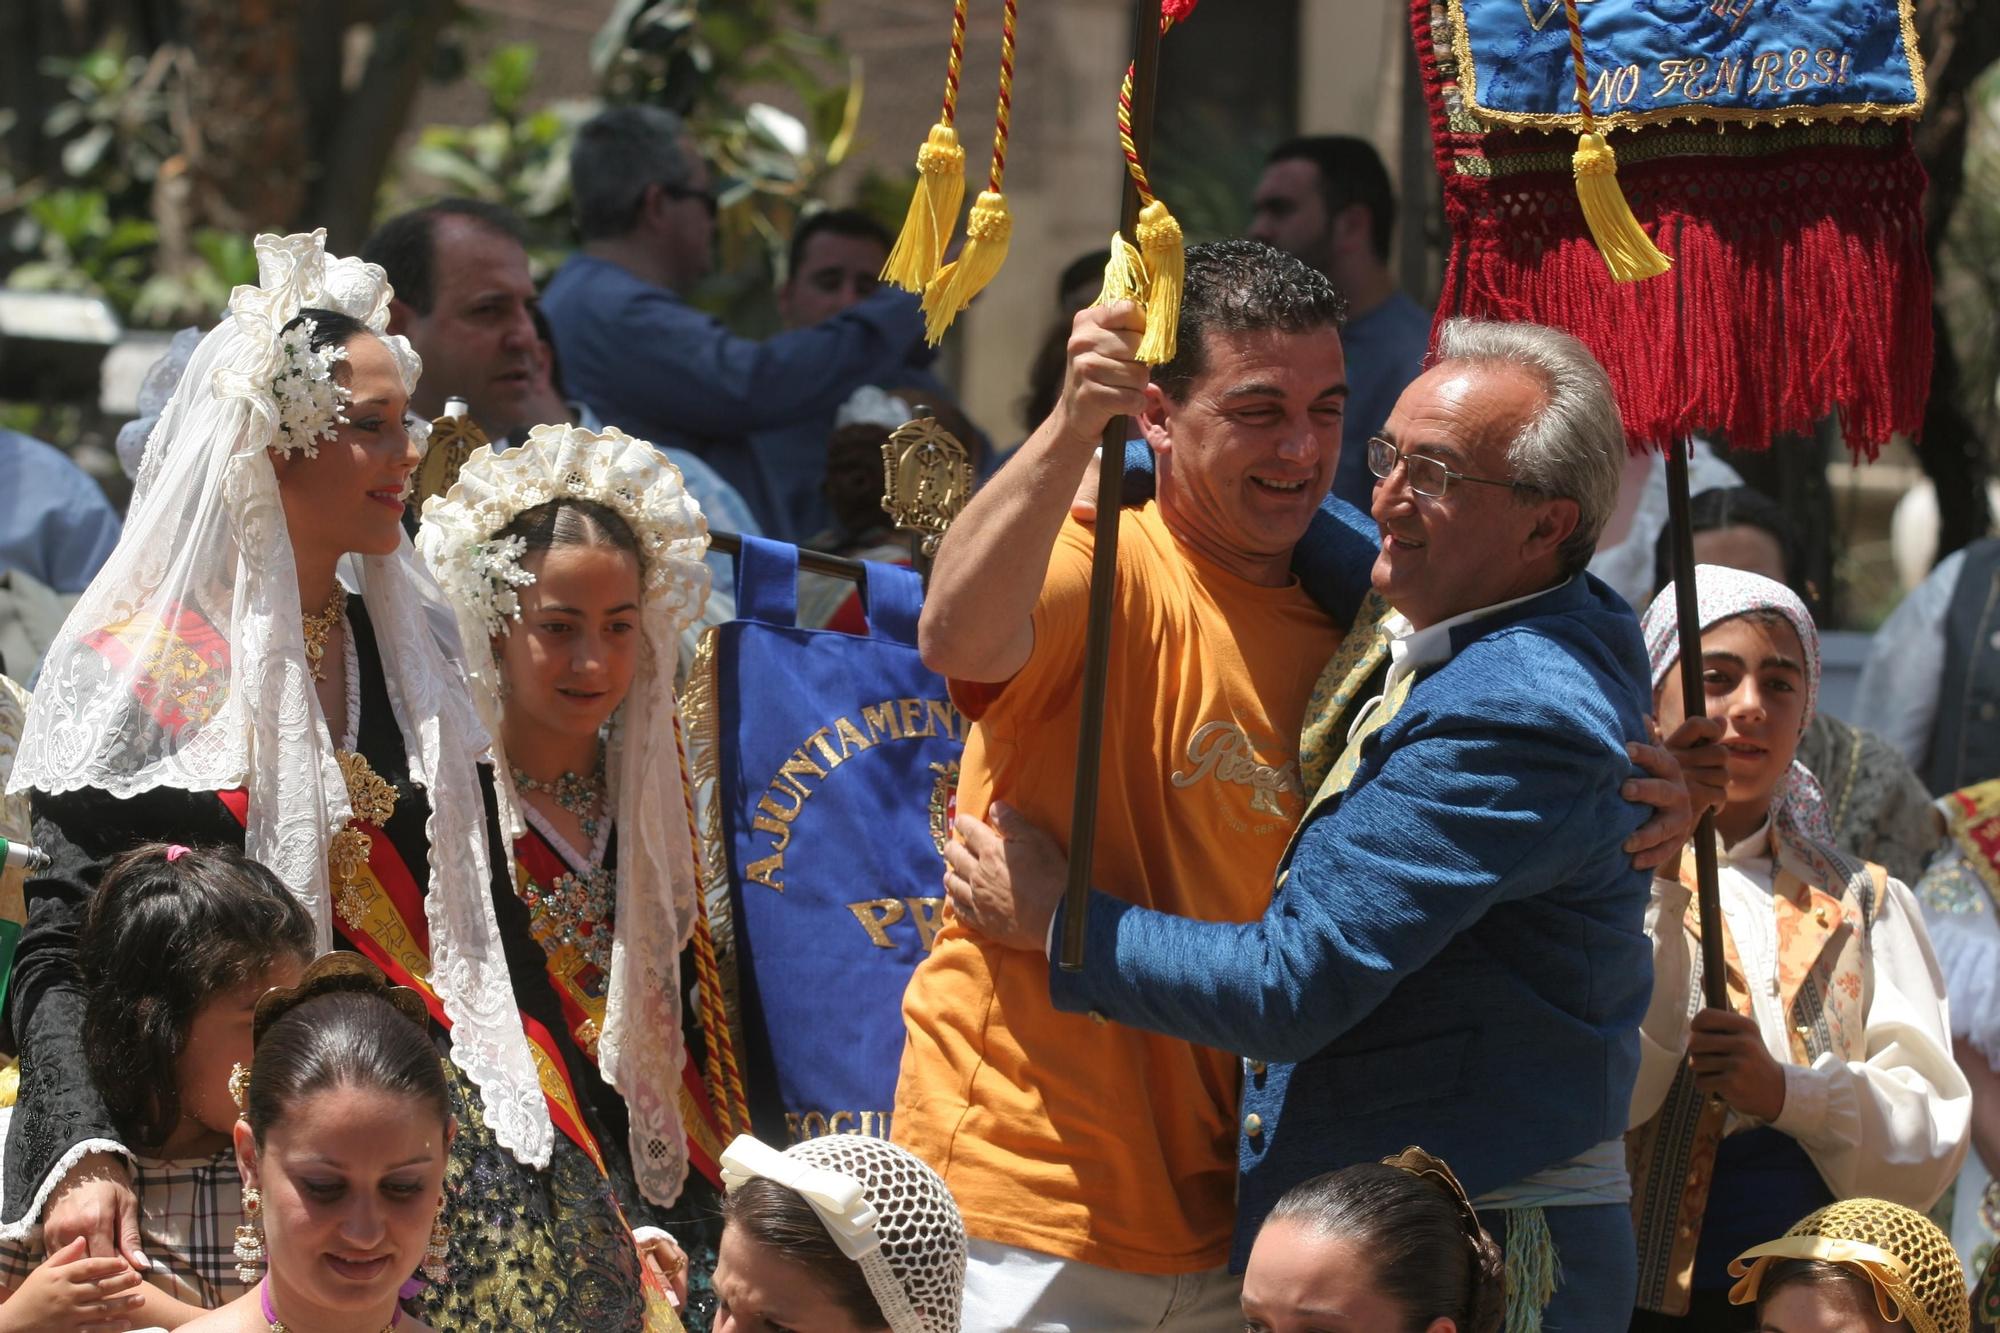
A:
(1455, 954)
(652, 364)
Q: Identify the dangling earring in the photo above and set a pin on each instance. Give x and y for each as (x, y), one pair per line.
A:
(433, 1266)
(250, 1237)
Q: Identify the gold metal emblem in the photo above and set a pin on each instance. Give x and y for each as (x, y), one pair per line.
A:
(944, 802)
(452, 441)
(926, 479)
(373, 801)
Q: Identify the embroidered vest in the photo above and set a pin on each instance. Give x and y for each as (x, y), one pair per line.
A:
(1965, 738)
(1824, 902)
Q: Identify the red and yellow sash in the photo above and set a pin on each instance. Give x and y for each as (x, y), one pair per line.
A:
(184, 679)
(581, 986)
(386, 924)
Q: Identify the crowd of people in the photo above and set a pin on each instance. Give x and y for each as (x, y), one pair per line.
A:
(370, 980)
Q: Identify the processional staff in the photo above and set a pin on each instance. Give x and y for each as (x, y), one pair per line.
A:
(1146, 267)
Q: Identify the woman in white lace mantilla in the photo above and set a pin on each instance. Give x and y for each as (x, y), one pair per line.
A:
(262, 663)
(573, 561)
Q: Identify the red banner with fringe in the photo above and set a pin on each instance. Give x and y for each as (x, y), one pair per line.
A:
(1800, 288)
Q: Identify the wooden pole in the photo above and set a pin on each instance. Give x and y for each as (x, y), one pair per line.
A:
(1708, 890)
(1104, 553)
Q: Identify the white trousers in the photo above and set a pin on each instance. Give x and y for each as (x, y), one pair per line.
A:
(1008, 1289)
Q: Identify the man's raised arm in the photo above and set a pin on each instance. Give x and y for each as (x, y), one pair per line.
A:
(976, 623)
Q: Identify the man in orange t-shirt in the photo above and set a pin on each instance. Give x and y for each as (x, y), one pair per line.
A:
(1095, 1164)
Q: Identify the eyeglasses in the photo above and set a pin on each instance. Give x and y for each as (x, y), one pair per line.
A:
(1427, 475)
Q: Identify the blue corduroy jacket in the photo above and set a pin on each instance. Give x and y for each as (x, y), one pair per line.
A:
(1455, 955)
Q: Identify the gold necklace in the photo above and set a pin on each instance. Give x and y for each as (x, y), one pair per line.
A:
(317, 625)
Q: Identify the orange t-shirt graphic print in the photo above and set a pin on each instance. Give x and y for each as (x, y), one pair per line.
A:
(1062, 1133)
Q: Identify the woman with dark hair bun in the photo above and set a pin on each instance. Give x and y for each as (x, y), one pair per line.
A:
(1386, 1247)
(345, 1130)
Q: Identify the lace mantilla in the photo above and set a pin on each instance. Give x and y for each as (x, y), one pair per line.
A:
(183, 664)
(640, 1051)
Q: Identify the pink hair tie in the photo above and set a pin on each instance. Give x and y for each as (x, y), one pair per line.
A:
(175, 852)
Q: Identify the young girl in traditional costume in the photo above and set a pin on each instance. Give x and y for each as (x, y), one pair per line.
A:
(1864, 1265)
(573, 561)
(1830, 1076)
(842, 1233)
(264, 662)
(177, 947)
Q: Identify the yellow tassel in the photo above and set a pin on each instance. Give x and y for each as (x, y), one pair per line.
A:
(987, 230)
(933, 211)
(1627, 252)
(1124, 274)
(1166, 269)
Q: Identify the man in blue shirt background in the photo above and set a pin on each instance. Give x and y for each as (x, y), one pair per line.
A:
(834, 264)
(56, 526)
(655, 366)
(1326, 201)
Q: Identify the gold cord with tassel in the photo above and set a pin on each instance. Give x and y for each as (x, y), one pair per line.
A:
(940, 188)
(1153, 272)
(989, 227)
(1628, 252)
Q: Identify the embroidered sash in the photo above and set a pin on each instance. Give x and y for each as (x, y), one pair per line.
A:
(383, 919)
(186, 678)
(1823, 983)
(581, 986)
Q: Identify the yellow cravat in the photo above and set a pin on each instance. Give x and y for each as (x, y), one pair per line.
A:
(1330, 710)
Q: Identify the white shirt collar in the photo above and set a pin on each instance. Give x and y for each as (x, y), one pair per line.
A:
(1412, 649)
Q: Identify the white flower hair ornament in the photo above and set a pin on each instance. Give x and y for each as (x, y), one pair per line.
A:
(309, 399)
(291, 382)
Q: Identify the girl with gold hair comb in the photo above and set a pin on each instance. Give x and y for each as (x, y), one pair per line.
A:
(1393, 1244)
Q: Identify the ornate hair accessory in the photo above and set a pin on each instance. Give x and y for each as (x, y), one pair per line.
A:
(340, 970)
(479, 570)
(309, 399)
(494, 569)
(175, 852)
(239, 1086)
(886, 1210)
(1426, 1167)
(1908, 1261)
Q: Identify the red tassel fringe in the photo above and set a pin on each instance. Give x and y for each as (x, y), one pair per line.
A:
(1800, 289)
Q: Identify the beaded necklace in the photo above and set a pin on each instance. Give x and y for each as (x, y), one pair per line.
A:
(579, 795)
(579, 909)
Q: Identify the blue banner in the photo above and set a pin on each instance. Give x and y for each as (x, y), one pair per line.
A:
(838, 767)
(1704, 60)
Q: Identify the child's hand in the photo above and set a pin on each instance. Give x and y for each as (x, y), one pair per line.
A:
(1731, 1061)
(73, 1293)
(663, 1254)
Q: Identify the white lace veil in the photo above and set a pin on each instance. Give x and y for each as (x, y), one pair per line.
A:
(640, 1051)
(183, 665)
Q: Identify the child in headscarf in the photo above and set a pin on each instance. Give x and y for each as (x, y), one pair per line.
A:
(1830, 1075)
